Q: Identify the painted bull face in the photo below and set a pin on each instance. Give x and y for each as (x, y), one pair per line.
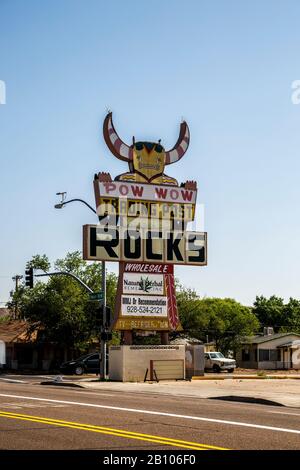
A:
(146, 158)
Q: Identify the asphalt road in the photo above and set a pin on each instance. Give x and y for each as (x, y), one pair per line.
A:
(33, 416)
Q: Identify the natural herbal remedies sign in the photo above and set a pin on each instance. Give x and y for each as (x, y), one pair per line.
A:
(146, 305)
(143, 284)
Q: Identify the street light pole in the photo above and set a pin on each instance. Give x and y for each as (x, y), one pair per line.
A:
(60, 205)
(103, 370)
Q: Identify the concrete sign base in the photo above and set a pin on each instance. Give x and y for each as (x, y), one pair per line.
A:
(152, 362)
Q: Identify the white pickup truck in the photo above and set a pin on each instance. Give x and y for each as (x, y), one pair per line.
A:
(217, 362)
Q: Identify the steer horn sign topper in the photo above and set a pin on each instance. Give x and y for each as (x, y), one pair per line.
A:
(146, 160)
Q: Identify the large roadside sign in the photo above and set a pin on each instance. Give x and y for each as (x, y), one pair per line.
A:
(143, 225)
(186, 248)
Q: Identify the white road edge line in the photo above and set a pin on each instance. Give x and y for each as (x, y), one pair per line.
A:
(157, 413)
(283, 413)
(13, 380)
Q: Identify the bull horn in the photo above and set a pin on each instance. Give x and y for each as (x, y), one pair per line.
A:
(181, 146)
(113, 141)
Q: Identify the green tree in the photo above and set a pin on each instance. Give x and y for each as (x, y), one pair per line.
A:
(269, 312)
(224, 321)
(61, 306)
(291, 316)
(193, 319)
(229, 323)
(40, 262)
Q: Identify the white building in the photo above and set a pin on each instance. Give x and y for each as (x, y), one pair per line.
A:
(270, 351)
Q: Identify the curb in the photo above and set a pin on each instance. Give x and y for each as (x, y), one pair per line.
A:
(62, 384)
(282, 377)
(247, 377)
(243, 399)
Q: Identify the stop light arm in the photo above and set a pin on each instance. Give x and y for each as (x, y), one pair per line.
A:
(66, 273)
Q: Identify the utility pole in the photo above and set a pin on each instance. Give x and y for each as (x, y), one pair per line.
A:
(103, 346)
(16, 279)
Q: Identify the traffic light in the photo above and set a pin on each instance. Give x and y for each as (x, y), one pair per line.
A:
(106, 336)
(99, 317)
(107, 323)
(29, 278)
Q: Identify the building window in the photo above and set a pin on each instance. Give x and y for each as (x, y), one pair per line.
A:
(279, 355)
(25, 355)
(274, 355)
(266, 355)
(245, 355)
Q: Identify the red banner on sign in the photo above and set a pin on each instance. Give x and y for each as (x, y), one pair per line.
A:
(172, 304)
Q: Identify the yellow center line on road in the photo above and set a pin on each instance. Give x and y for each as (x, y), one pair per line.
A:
(112, 431)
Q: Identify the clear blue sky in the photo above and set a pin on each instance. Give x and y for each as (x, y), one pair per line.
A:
(225, 66)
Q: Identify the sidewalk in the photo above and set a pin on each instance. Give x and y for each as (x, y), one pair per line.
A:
(282, 392)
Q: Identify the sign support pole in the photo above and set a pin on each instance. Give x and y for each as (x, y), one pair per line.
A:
(103, 346)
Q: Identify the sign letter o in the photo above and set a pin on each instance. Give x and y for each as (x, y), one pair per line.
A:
(174, 194)
(124, 189)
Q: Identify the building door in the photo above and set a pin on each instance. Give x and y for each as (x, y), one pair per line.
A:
(2, 354)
